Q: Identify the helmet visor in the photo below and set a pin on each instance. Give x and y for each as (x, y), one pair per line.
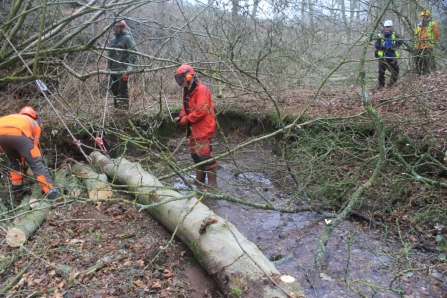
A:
(179, 79)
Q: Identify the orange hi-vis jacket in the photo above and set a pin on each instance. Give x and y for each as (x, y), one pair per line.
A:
(16, 125)
(425, 37)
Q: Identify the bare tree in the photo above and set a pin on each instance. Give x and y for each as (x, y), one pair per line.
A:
(302, 47)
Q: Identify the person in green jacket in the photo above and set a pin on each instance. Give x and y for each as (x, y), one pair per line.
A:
(120, 59)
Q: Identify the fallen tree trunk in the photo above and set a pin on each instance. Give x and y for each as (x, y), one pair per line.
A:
(96, 184)
(27, 203)
(237, 264)
(68, 182)
(31, 214)
(21, 232)
(30, 220)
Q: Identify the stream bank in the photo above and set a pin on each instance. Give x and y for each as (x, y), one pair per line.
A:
(360, 260)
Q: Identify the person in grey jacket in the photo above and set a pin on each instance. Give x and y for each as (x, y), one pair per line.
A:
(119, 59)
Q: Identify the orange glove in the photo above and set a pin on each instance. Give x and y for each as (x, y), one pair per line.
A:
(184, 120)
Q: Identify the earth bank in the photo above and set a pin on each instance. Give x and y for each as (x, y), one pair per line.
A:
(80, 233)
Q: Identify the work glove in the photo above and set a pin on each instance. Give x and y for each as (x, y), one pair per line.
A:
(129, 69)
(177, 120)
(184, 121)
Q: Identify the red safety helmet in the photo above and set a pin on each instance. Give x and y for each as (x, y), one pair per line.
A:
(121, 24)
(184, 72)
(28, 111)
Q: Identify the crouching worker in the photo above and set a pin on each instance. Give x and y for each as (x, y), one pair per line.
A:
(19, 139)
(199, 116)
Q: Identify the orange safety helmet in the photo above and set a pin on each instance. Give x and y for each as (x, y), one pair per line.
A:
(29, 111)
(121, 24)
(184, 72)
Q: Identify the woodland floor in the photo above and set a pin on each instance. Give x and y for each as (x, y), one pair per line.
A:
(113, 250)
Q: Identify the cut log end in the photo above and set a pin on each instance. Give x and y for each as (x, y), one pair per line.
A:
(75, 192)
(33, 203)
(15, 237)
(100, 193)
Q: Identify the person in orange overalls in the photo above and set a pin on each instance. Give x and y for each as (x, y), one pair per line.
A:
(198, 115)
(426, 35)
(19, 139)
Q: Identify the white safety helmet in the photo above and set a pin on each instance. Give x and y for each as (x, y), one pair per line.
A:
(388, 23)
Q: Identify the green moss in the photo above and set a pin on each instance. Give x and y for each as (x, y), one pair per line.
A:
(232, 120)
(237, 114)
(236, 292)
(196, 252)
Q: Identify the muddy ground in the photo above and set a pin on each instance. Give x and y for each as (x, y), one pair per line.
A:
(87, 249)
(134, 256)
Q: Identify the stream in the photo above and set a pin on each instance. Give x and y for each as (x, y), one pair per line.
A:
(359, 261)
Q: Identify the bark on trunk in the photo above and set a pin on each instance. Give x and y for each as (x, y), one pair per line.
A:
(27, 223)
(21, 232)
(96, 184)
(68, 182)
(32, 212)
(27, 203)
(237, 264)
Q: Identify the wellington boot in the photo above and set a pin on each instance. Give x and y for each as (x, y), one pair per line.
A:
(212, 179)
(200, 178)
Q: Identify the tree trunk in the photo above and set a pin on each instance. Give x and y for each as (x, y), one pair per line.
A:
(68, 183)
(96, 184)
(238, 266)
(21, 232)
(28, 202)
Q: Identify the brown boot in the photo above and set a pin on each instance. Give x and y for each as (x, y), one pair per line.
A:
(212, 178)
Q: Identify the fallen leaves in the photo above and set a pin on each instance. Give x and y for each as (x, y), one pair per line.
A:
(121, 250)
(73, 242)
(168, 273)
(139, 283)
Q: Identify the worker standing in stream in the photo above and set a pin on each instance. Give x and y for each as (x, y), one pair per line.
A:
(199, 116)
(19, 139)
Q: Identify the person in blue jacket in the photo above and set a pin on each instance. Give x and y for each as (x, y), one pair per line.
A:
(386, 45)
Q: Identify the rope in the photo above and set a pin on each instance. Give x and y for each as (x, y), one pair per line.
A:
(105, 107)
(42, 87)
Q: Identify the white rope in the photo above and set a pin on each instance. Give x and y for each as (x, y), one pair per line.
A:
(42, 87)
(105, 108)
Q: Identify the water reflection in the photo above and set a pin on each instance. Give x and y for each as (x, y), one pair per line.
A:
(358, 261)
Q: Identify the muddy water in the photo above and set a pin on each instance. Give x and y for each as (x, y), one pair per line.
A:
(359, 262)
